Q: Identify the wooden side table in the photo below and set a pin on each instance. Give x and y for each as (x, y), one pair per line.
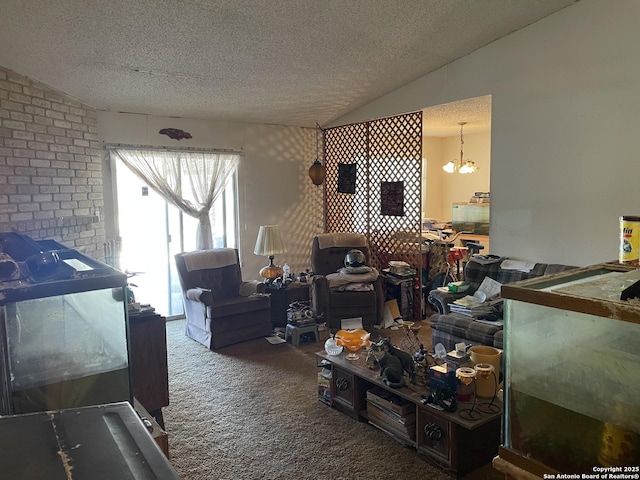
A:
(155, 430)
(149, 373)
(282, 297)
(400, 289)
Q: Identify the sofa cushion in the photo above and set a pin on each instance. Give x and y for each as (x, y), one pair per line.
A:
(224, 282)
(498, 339)
(475, 272)
(466, 327)
(228, 307)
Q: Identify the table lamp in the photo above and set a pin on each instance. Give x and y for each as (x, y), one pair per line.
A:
(269, 243)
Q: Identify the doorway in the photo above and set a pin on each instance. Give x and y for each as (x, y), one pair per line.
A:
(153, 231)
(442, 143)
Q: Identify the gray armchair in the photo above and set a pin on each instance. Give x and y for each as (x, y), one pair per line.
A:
(327, 256)
(219, 307)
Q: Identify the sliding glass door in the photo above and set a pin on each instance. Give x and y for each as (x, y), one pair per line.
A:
(152, 231)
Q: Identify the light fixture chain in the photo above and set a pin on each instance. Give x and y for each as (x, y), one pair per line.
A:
(461, 144)
(460, 166)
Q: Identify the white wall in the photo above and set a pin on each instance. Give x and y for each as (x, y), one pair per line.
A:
(564, 141)
(274, 186)
(432, 158)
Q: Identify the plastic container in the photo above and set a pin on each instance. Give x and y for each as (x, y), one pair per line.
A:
(331, 347)
(629, 252)
(440, 351)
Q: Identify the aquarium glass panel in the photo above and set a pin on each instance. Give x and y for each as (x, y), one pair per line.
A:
(68, 350)
(572, 385)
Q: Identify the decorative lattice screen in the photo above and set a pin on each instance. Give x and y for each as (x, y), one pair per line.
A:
(384, 150)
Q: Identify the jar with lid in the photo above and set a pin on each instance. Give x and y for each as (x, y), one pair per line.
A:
(629, 250)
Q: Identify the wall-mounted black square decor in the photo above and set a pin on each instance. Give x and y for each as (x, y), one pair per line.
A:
(347, 178)
(392, 198)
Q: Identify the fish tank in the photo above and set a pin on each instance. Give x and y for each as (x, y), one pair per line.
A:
(471, 218)
(572, 371)
(63, 328)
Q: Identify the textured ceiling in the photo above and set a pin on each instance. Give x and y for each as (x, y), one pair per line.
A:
(444, 120)
(288, 62)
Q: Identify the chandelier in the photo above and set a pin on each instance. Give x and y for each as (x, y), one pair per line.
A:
(460, 166)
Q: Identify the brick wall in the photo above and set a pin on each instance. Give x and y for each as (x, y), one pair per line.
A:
(50, 165)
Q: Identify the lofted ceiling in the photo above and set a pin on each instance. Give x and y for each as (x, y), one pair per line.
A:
(286, 62)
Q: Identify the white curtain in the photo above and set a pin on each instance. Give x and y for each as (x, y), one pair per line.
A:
(192, 181)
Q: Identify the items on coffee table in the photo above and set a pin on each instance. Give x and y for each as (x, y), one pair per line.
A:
(353, 341)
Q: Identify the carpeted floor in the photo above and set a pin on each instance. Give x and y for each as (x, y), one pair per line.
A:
(251, 411)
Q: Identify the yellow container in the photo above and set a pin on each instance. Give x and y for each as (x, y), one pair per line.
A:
(486, 386)
(629, 240)
(620, 447)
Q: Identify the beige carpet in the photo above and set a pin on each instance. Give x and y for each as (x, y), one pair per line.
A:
(251, 411)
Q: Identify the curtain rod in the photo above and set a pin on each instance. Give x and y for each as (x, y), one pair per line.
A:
(112, 146)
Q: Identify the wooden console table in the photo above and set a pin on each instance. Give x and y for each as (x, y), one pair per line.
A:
(149, 374)
(455, 444)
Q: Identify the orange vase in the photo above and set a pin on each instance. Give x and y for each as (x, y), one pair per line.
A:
(353, 341)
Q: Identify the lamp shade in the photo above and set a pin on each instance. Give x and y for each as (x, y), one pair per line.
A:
(449, 167)
(317, 172)
(468, 167)
(269, 241)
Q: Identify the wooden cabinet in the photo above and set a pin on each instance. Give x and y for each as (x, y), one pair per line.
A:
(347, 392)
(456, 447)
(434, 436)
(149, 375)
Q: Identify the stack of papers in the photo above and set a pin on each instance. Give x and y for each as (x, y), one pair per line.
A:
(274, 339)
(471, 306)
(482, 302)
(490, 288)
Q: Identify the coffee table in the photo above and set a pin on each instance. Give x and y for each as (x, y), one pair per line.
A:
(455, 444)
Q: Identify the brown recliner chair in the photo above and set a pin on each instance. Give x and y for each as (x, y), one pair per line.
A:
(328, 252)
(220, 308)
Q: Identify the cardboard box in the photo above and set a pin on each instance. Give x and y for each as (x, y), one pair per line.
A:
(388, 400)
